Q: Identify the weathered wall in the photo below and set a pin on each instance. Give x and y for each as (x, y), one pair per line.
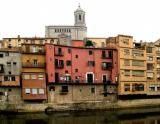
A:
(79, 93)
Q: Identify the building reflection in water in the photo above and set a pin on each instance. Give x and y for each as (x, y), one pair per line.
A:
(80, 118)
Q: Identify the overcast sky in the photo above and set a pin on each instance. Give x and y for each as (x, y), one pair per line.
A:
(104, 18)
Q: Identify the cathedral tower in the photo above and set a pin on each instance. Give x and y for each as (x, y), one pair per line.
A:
(79, 16)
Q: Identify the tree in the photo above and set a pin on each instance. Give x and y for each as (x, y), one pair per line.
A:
(89, 43)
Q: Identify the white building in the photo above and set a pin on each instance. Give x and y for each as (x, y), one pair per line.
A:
(76, 32)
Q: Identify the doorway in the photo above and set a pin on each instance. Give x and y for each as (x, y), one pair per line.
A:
(89, 78)
(56, 77)
(104, 78)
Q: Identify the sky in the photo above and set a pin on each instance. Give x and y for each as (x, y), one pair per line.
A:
(104, 18)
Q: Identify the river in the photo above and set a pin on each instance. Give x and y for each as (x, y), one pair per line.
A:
(92, 117)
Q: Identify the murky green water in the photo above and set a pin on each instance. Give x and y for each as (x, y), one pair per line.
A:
(101, 117)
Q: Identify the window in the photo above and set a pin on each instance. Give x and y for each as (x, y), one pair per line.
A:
(137, 87)
(26, 76)
(103, 54)
(14, 63)
(69, 50)
(61, 63)
(150, 58)
(9, 90)
(152, 88)
(127, 72)
(137, 53)
(64, 89)
(126, 62)
(56, 62)
(158, 76)
(35, 62)
(40, 77)
(126, 41)
(126, 52)
(68, 62)
(76, 56)
(59, 50)
(41, 91)
(67, 78)
(138, 73)
(6, 53)
(90, 52)
(138, 63)
(27, 91)
(51, 88)
(76, 70)
(110, 54)
(126, 87)
(13, 78)
(150, 66)
(149, 49)
(92, 90)
(91, 63)
(6, 78)
(79, 17)
(158, 65)
(8, 63)
(106, 65)
(1, 55)
(33, 77)
(149, 75)
(34, 91)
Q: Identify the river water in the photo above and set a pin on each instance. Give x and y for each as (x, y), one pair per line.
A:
(94, 117)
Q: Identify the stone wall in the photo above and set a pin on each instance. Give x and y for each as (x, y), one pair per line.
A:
(79, 93)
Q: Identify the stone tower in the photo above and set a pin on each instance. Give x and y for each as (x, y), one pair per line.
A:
(79, 16)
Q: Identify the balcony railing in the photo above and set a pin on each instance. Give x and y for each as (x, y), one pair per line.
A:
(33, 52)
(58, 54)
(2, 69)
(59, 66)
(157, 51)
(33, 65)
(103, 56)
(85, 82)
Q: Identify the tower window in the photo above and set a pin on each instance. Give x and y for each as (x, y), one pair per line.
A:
(79, 17)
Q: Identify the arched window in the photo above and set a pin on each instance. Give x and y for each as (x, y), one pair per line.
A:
(79, 17)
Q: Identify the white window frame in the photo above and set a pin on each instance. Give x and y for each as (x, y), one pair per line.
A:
(34, 91)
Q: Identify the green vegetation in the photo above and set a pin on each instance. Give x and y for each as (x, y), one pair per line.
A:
(89, 43)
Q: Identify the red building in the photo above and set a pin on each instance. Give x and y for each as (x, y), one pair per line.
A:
(81, 65)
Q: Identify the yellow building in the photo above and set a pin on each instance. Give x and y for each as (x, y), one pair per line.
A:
(33, 72)
(98, 42)
(17, 42)
(132, 66)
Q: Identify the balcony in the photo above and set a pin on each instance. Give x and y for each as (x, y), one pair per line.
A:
(104, 56)
(59, 66)
(33, 65)
(1, 69)
(106, 65)
(33, 52)
(108, 82)
(58, 53)
(158, 52)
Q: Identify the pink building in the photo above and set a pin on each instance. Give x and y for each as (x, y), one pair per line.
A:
(76, 74)
(67, 64)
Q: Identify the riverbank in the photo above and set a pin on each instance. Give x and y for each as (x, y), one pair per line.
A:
(80, 106)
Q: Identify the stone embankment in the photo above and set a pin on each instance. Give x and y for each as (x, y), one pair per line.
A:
(90, 105)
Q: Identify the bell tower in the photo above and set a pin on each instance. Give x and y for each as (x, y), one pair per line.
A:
(79, 16)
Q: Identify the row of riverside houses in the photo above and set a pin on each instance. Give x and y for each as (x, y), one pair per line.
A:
(44, 70)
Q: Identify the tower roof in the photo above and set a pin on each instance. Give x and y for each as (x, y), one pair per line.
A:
(79, 8)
